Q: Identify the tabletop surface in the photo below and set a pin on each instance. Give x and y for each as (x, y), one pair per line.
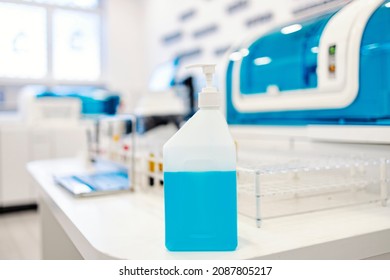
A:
(131, 226)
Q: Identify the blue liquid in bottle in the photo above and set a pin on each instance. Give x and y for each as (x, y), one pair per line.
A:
(200, 211)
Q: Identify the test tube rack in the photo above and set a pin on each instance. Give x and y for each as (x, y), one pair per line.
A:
(292, 185)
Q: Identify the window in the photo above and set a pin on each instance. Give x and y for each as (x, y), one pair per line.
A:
(23, 52)
(49, 41)
(76, 46)
(70, 3)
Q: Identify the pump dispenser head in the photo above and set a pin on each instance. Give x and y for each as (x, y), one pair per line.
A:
(209, 95)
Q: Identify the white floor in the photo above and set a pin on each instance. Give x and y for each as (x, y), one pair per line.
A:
(20, 236)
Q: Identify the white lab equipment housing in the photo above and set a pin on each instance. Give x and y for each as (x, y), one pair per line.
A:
(45, 128)
(319, 140)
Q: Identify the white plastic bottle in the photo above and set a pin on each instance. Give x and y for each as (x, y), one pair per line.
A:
(200, 189)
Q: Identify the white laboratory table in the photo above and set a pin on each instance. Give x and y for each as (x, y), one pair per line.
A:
(131, 226)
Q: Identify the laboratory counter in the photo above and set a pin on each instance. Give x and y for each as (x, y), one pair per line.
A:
(131, 226)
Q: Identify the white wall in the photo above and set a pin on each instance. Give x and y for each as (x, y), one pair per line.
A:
(162, 18)
(125, 51)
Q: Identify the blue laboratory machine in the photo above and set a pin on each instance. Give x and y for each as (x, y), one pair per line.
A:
(332, 69)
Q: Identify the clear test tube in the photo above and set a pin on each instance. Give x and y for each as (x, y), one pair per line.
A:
(384, 164)
(258, 198)
(161, 169)
(151, 169)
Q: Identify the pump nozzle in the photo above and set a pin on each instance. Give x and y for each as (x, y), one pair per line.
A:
(209, 96)
(208, 71)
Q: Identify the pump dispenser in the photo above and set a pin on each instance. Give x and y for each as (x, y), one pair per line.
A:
(209, 96)
(200, 193)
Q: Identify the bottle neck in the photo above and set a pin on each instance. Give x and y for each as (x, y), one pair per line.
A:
(209, 98)
(208, 108)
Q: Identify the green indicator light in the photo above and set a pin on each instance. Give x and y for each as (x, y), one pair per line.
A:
(332, 50)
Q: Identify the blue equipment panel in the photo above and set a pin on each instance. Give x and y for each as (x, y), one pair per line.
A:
(90, 103)
(294, 55)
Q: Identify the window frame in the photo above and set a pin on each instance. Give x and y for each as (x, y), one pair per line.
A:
(49, 79)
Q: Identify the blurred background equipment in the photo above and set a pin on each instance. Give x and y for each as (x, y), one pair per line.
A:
(335, 71)
(164, 101)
